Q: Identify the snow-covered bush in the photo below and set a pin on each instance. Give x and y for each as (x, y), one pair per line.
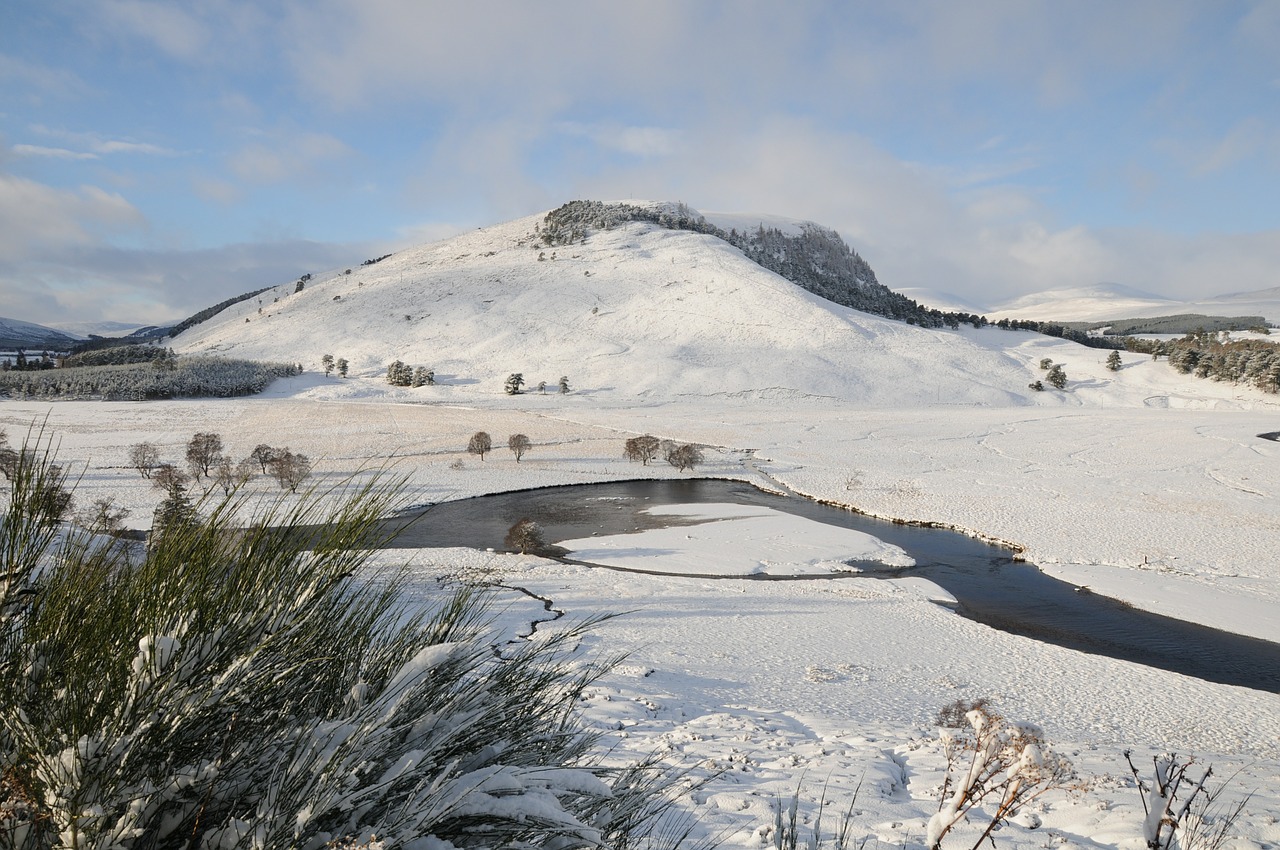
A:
(240, 685)
(524, 537)
(992, 763)
(1181, 812)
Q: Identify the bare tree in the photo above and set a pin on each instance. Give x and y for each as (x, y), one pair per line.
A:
(643, 449)
(480, 444)
(8, 457)
(263, 455)
(519, 444)
(203, 452)
(229, 476)
(103, 517)
(144, 457)
(685, 456)
(525, 536)
(169, 478)
(291, 469)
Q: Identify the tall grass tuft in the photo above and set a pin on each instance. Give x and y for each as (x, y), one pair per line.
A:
(245, 685)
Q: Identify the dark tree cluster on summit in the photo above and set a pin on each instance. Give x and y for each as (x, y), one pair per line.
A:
(816, 259)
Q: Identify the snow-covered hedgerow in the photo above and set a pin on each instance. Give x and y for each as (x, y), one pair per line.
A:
(184, 377)
(239, 685)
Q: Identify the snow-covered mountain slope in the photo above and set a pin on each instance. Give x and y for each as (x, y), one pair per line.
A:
(635, 311)
(82, 330)
(1086, 304)
(18, 334)
(938, 300)
(1262, 302)
(1116, 301)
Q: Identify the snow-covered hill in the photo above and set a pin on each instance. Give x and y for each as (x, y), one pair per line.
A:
(82, 330)
(1115, 301)
(1087, 303)
(939, 300)
(28, 335)
(635, 311)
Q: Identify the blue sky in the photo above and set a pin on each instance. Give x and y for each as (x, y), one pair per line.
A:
(156, 158)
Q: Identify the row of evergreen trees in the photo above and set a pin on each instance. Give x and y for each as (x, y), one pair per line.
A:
(401, 375)
(181, 377)
(20, 362)
(118, 355)
(1254, 362)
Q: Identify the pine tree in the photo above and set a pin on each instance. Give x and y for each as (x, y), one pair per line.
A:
(514, 382)
(1056, 376)
(564, 384)
(327, 362)
(1113, 361)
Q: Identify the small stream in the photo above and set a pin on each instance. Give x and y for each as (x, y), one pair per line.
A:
(989, 586)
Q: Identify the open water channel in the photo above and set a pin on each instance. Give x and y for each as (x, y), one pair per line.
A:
(989, 586)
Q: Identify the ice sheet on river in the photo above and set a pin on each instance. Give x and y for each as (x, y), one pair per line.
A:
(736, 540)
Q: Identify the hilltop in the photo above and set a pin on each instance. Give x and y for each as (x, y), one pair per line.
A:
(638, 310)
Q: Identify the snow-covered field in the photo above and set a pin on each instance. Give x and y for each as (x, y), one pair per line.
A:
(1143, 484)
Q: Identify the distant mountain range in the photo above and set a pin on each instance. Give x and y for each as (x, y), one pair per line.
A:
(15, 334)
(1103, 302)
(28, 336)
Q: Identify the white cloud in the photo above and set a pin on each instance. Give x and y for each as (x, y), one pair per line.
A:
(111, 146)
(102, 282)
(95, 144)
(51, 153)
(168, 26)
(39, 81)
(1243, 141)
(917, 230)
(287, 156)
(218, 191)
(635, 141)
(36, 219)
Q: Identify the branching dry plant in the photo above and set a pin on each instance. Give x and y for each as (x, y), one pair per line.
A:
(992, 764)
(1181, 812)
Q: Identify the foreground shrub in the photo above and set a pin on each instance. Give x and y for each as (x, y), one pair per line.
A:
(1182, 812)
(242, 686)
(993, 764)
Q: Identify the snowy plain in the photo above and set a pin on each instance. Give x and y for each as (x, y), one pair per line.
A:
(1142, 484)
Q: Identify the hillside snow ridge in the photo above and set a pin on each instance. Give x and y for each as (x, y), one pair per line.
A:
(639, 310)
